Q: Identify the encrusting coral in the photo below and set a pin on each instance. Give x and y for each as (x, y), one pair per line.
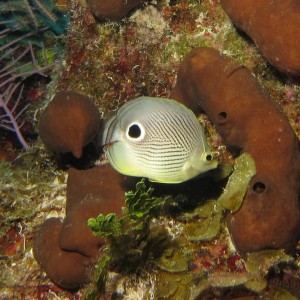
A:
(274, 28)
(112, 10)
(69, 123)
(248, 121)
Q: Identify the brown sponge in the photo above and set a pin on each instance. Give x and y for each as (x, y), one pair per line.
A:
(67, 249)
(69, 122)
(112, 10)
(65, 268)
(89, 193)
(248, 121)
(274, 28)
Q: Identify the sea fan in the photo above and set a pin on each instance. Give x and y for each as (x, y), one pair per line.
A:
(9, 115)
(25, 15)
(14, 68)
(24, 26)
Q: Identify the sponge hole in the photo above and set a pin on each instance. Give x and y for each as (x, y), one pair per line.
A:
(259, 187)
(222, 117)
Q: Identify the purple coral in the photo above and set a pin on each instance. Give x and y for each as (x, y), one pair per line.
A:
(8, 111)
(22, 52)
(17, 62)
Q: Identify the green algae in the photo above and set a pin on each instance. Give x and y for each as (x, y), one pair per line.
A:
(258, 263)
(208, 229)
(225, 279)
(128, 237)
(141, 207)
(233, 195)
(204, 223)
(283, 295)
(173, 259)
(174, 286)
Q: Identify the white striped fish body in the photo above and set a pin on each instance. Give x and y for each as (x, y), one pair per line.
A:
(157, 138)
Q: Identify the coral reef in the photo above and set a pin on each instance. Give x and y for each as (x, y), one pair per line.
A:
(248, 121)
(273, 26)
(184, 251)
(151, 26)
(112, 10)
(69, 123)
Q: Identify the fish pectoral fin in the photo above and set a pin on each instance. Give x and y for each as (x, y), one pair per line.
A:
(153, 180)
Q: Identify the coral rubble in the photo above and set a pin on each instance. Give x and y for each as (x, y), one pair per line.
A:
(248, 120)
(273, 26)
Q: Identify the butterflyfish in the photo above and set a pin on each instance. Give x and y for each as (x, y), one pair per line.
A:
(157, 138)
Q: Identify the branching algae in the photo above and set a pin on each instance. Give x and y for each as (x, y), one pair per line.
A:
(126, 235)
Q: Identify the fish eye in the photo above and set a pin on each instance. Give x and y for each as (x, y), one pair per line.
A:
(135, 132)
(209, 157)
